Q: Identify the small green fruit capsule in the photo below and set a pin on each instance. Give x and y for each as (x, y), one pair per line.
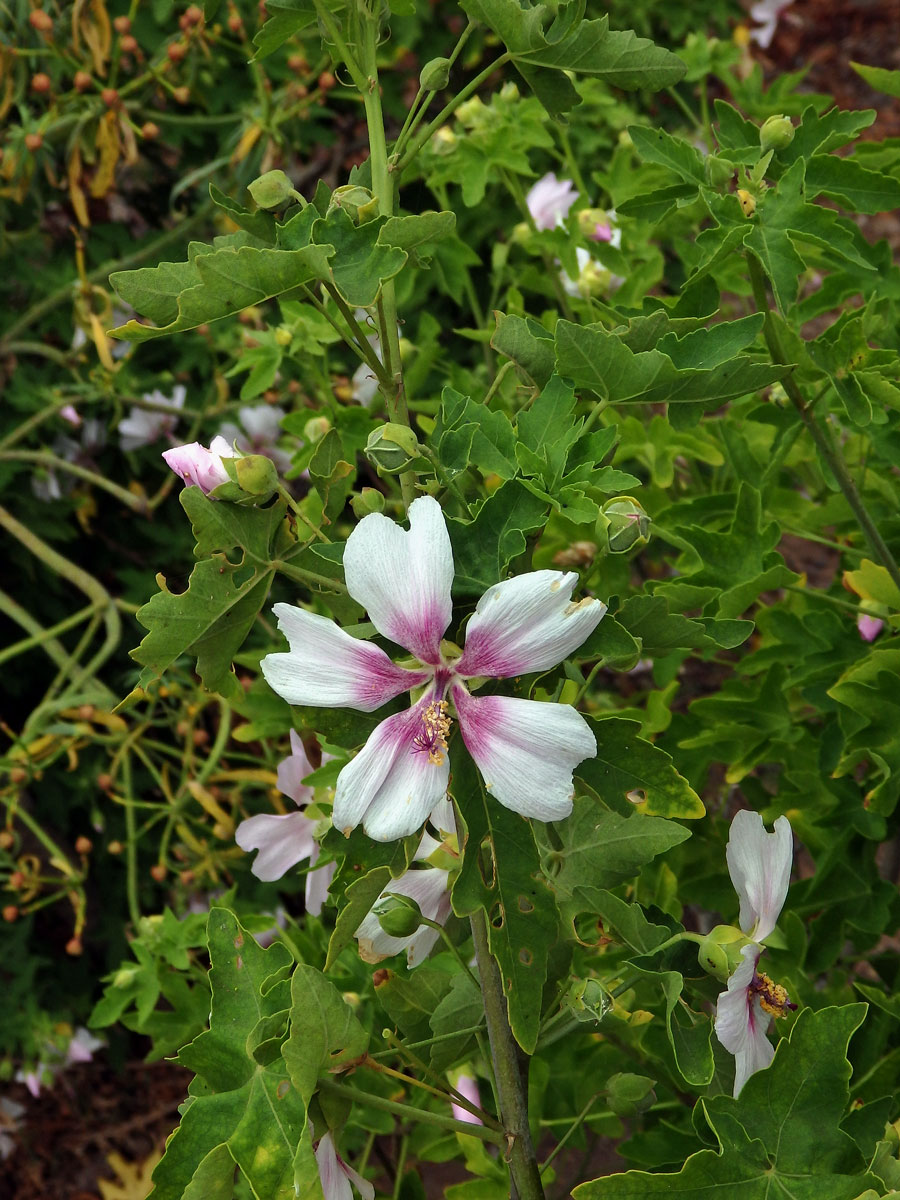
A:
(370, 500)
(398, 916)
(719, 171)
(272, 190)
(776, 133)
(357, 202)
(627, 1094)
(435, 75)
(256, 474)
(623, 525)
(392, 448)
(719, 954)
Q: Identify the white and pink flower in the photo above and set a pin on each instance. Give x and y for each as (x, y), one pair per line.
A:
(258, 432)
(283, 840)
(525, 750)
(430, 888)
(199, 467)
(144, 426)
(766, 13)
(336, 1176)
(549, 200)
(869, 627)
(467, 1086)
(759, 864)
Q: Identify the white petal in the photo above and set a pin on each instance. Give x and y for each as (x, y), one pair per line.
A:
(741, 1022)
(759, 864)
(282, 842)
(335, 1184)
(391, 785)
(317, 884)
(262, 423)
(293, 770)
(428, 888)
(528, 623)
(526, 751)
(403, 579)
(443, 818)
(328, 668)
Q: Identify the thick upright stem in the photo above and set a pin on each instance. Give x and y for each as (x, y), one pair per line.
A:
(511, 1090)
(823, 444)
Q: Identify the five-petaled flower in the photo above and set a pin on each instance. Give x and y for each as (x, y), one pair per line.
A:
(549, 200)
(526, 750)
(759, 864)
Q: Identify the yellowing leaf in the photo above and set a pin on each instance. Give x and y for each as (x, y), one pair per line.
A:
(109, 146)
(94, 26)
(76, 192)
(132, 1180)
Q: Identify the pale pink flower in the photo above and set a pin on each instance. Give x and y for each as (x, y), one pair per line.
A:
(467, 1086)
(526, 750)
(336, 1176)
(766, 13)
(258, 432)
(69, 413)
(10, 1112)
(549, 200)
(869, 627)
(82, 1046)
(144, 426)
(283, 840)
(198, 466)
(429, 887)
(760, 866)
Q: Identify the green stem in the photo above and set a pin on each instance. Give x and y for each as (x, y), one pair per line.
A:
(448, 110)
(53, 462)
(511, 1091)
(410, 1113)
(131, 883)
(446, 1088)
(416, 114)
(300, 514)
(441, 1037)
(828, 452)
(334, 33)
(310, 578)
(574, 1125)
(45, 638)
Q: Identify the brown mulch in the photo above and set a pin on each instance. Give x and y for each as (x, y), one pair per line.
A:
(68, 1133)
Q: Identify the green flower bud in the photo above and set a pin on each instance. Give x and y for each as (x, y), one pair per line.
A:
(370, 500)
(444, 141)
(283, 336)
(399, 916)
(521, 234)
(594, 279)
(357, 202)
(256, 475)
(589, 219)
(623, 525)
(392, 448)
(627, 1094)
(472, 111)
(316, 428)
(719, 954)
(776, 133)
(588, 1000)
(272, 190)
(124, 976)
(435, 75)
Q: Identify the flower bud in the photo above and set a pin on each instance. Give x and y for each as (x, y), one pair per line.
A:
(719, 171)
(444, 141)
(435, 75)
(40, 83)
(623, 525)
(181, 95)
(316, 428)
(283, 336)
(357, 202)
(588, 1000)
(719, 954)
(255, 473)
(627, 1094)
(370, 500)
(129, 44)
(82, 81)
(392, 448)
(594, 223)
(40, 20)
(124, 976)
(272, 190)
(10, 913)
(83, 845)
(150, 130)
(398, 915)
(122, 24)
(471, 111)
(33, 142)
(776, 133)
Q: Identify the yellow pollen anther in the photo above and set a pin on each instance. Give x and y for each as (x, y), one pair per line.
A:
(433, 738)
(773, 998)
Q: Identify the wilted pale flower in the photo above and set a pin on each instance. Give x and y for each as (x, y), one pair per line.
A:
(429, 888)
(549, 201)
(869, 627)
(80, 1049)
(759, 864)
(258, 433)
(283, 840)
(199, 466)
(336, 1176)
(10, 1112)
(766, 14)
(526, 750)
(82, 451)
(144, 426)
